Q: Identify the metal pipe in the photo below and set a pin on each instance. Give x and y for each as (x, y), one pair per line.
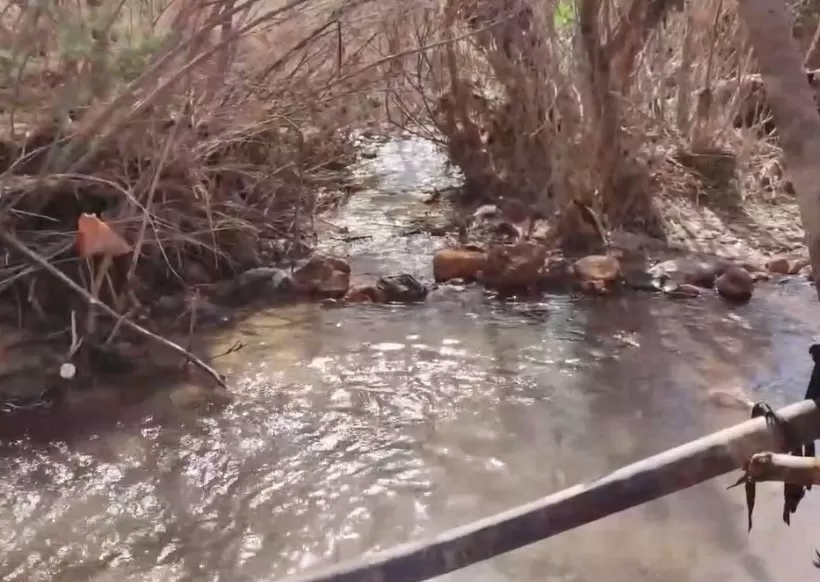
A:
(636, 484)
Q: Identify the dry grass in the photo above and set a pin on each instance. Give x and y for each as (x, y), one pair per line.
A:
(209, 134)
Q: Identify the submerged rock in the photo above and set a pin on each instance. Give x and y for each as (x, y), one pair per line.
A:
(365, 293)
(461, 263)
(681, 291)
(688, 271)
(262, 283)
(638, 279)
(516, 266)
(322, 275)
(735, 284)
(402, 289)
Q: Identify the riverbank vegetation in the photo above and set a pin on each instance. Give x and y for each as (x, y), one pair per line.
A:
(208, 136)
(619, 106)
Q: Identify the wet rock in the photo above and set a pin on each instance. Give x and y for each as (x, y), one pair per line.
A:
(786, 265)
(637, 277)
(322, 275)
(365, 293)
(735, 284)
(516, 266)
(641, 281)
(402, 289)
(681, 291)
(598, 268)
(432, 198)
(261, 283)
(807, 272)
(462, 263)
(688, 271)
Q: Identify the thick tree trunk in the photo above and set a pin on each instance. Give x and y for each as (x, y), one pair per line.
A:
(792, 103)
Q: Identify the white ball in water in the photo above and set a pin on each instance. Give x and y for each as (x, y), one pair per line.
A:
(67, 371)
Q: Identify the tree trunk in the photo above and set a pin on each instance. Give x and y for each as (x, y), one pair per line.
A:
(792, 103)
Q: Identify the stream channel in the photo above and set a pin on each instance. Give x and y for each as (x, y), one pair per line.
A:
(361, 427)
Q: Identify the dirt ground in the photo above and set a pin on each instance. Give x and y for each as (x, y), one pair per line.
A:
(756, 230)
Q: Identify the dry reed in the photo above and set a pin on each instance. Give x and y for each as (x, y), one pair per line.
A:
(611, 103)
(209, 134)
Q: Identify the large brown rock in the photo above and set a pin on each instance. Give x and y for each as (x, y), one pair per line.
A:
(463, 264)
(516, 266)
(735, 284)
(323, 276)
(598, 273)
(786, 265)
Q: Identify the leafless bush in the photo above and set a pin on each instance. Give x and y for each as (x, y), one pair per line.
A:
(600, 102)
(209, 134)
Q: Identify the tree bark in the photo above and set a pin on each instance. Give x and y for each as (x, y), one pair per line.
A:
(792, 102)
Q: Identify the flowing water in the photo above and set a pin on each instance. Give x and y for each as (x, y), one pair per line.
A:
(360, 427)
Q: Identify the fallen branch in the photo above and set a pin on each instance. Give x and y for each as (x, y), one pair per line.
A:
(784, 468)
(93, 302)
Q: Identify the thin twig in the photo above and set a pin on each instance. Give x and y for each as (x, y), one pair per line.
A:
(93, 302)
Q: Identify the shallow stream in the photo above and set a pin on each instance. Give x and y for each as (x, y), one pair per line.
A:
(360, 427)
